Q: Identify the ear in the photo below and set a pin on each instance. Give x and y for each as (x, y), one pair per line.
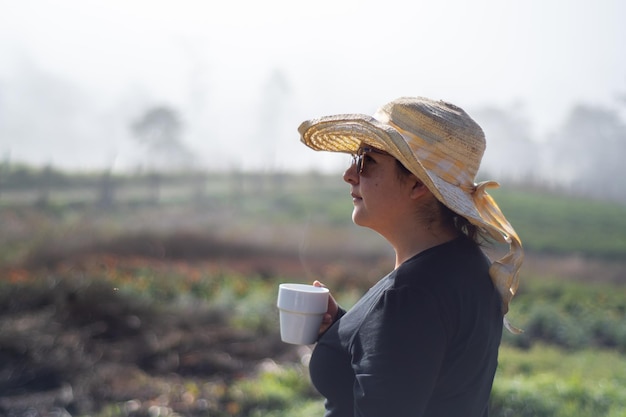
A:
(418, 189)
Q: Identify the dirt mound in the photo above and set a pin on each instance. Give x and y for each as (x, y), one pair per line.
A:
(190, 247)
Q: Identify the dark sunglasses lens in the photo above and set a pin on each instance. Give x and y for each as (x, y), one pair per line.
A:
(360, 166)
(357, 161)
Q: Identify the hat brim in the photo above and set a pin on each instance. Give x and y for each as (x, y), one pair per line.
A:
(347, 132)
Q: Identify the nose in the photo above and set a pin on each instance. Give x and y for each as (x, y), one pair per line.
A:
(350, 175)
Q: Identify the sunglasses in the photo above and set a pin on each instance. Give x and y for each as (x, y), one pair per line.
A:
(358, 160)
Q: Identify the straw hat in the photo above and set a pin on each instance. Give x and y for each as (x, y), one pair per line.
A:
(443, 146)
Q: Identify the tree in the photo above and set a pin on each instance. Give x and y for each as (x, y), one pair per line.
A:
(588, 152)
(272, 114)
(510, 153)
(160, 130)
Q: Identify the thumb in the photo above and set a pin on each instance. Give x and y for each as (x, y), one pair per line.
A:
(316, 283)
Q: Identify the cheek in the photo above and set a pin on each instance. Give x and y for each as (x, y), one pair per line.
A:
(378, 196)
(371, 191)
(380, 189)
(388, 196)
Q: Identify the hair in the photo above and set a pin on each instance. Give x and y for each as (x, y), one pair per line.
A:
(448, 216)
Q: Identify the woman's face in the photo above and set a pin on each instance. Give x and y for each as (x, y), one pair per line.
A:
(381, 196)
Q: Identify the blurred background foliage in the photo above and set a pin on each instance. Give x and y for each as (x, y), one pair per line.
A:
(159, 299)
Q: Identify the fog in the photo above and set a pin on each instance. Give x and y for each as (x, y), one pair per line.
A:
(546, 80)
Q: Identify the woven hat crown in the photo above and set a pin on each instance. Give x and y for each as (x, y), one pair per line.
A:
(440, 134)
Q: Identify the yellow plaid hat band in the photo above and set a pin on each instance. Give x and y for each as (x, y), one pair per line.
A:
(453, 171)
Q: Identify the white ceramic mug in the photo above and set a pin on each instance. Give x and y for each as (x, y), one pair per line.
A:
(301, 308)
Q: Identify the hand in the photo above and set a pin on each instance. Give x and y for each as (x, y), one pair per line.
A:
(331, 313)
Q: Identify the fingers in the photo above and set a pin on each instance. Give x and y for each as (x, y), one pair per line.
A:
(327, 320)
(316, 283)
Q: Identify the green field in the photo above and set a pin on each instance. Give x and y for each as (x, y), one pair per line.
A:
(562, 225)
(165, 305)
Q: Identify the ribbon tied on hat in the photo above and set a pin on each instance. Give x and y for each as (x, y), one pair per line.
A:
(505, 271)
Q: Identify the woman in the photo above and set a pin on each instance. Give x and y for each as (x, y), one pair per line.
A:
(424, 340)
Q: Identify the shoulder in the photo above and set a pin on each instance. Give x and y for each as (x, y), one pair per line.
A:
(448, 264)
(455, 276)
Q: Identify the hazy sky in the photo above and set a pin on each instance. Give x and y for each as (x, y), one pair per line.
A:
(74, 74)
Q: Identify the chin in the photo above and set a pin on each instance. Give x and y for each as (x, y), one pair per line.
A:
(359, 220)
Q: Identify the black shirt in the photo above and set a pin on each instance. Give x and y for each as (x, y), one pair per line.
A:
(423, 341)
